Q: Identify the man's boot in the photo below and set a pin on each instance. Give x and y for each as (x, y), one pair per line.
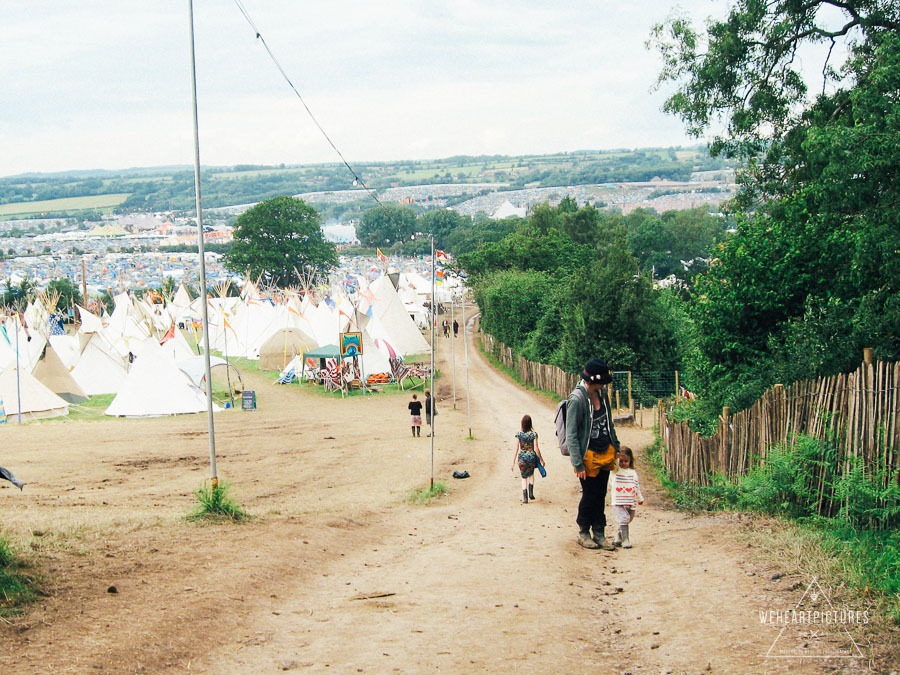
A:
(585, 540)
(525, 496)
(531, 491)
(618, 540)
(601, 541)
(626, 542)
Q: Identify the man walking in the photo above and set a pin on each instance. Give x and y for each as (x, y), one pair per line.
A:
(592, 443)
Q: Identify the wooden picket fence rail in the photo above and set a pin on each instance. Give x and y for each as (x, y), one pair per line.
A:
(855, 412)
(537, 375)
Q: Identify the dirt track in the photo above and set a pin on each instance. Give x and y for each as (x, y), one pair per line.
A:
(338, 573)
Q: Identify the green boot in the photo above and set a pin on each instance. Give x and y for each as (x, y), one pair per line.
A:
(618, 540)
(585, 540)
(626, 542)
(601, 541)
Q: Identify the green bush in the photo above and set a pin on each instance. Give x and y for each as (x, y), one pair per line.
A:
(15, 587)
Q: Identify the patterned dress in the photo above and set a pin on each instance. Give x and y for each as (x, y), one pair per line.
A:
(528, 460)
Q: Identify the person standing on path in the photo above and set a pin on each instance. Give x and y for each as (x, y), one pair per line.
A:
(527, 456)
(430, 411)
(625, 490)
(455, 327)
(415, 412)
(592, 443)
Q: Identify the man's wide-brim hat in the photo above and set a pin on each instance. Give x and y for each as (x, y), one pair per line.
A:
(596, 371)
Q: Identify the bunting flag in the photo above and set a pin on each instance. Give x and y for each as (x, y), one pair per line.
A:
(228, 325)
(169, 335)
(381, 256)
(440, 255)
(689, 395)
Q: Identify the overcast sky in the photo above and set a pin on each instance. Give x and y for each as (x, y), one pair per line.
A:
(103, 84)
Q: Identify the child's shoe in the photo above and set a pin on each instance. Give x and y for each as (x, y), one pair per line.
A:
(618, 540)
(626, 542)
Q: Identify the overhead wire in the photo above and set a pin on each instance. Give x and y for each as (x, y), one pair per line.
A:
(356, 177)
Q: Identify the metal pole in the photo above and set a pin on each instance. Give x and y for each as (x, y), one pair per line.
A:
(453, 351)
(466, 347)
(204, 315)
(18, 375)
(431, 410)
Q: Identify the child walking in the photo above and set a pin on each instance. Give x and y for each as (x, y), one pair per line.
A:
(527, 456)
(626, 494)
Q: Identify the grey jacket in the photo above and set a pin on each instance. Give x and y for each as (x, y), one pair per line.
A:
(578, 424)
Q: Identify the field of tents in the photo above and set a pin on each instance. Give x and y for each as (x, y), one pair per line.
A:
(146, 353)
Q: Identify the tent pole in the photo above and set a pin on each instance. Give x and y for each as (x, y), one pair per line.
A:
(453, 350)
(466, 347)
(204, 314)
(431, 415)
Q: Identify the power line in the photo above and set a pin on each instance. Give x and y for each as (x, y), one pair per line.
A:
(356, 177)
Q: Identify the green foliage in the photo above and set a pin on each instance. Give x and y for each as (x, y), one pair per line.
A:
(17, 297)
(426, 495)
(214, 502)
(809, 278)
(69, 293)
(386, 225)
(16, 588)
(277, 240)
(512, 303)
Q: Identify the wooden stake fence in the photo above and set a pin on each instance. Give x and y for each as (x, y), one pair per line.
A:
(855, 412)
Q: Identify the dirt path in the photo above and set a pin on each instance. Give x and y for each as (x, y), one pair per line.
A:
(338, 573)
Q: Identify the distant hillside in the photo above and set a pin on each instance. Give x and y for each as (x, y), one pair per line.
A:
(172, 188)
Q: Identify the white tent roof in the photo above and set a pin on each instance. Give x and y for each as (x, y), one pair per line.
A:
(37, 400)
(101, 369)
(155, 387)
(401, 330)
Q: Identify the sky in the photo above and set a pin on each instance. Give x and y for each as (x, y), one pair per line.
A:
(102, 84)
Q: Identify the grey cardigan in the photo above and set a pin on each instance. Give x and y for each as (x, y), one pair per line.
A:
(578, 424)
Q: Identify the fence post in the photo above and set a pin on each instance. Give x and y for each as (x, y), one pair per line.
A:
(677, 388)
(630, 396)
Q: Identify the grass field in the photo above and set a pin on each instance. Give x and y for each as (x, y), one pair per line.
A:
(50, 206)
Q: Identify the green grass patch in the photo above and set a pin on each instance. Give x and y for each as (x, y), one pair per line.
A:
(426, 495)
(16, 587)
(214, 503)
(49, 206)
(509, 372)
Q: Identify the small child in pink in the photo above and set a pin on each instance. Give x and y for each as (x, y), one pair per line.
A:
(626, 494)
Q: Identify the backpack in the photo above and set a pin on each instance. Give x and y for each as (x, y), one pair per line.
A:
(560, 421)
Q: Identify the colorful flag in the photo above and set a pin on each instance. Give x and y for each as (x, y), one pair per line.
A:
(440, 255)
(381, 256)
(169, 335)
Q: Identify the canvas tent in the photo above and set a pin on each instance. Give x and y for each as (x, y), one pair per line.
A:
(37, 401)
(155, 387)
(280, 349)
(53, 374)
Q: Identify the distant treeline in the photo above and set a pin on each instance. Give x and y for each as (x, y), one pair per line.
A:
(172, 188)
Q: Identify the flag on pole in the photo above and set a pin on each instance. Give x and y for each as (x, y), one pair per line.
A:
(381, 256)
(440, 255)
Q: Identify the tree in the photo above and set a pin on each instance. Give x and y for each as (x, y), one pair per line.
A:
(809, 278)
(383, 226)
(277, 240)
(69, 294)
(17, 297)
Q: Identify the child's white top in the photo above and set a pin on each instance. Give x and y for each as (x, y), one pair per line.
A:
(626, 490)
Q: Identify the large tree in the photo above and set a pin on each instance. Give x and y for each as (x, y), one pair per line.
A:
(810, 277)
(278, 240)
(386, 225)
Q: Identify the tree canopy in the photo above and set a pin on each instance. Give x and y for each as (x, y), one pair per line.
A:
(811, 275)
(278, 240)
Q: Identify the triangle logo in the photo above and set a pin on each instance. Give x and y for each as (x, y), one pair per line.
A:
(814, 628)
